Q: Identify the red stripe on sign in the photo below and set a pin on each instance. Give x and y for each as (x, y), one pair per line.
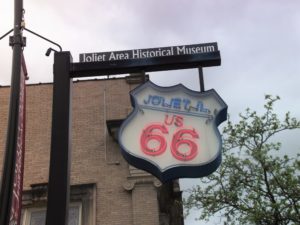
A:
(15, 213)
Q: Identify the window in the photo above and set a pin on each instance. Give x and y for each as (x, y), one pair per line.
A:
(81, 207)
(37, 216)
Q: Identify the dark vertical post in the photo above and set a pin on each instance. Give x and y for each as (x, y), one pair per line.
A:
(201, 79)
(12, 130)
(60, 160)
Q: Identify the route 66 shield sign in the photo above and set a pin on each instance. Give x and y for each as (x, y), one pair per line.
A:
(172, 131)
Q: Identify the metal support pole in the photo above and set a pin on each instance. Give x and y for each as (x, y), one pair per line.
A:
(201, 79)
(60, 161)
(12, 130)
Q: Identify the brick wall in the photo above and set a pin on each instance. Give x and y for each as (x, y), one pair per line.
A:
(95, 156)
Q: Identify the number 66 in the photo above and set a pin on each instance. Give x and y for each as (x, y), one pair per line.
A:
(183, 136)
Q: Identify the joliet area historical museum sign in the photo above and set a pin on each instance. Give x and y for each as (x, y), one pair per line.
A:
(149, 53)
(172, 131)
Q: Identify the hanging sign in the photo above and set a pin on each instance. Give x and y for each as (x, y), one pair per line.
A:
(172, 131)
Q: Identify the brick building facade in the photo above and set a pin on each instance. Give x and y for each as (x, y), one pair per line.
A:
(105, 190)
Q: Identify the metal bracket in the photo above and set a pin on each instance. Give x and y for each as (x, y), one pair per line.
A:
(13, 40)
(46, 39)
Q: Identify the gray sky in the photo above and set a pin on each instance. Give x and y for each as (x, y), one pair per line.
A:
(258, 41)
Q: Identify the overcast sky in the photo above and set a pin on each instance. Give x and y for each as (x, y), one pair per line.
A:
(258, 41)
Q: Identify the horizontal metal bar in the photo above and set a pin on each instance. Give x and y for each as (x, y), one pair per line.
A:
(87, 69)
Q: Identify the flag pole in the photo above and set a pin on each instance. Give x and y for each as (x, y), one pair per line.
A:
(17, 42)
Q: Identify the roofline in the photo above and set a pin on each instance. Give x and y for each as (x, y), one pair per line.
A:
(74, 81)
